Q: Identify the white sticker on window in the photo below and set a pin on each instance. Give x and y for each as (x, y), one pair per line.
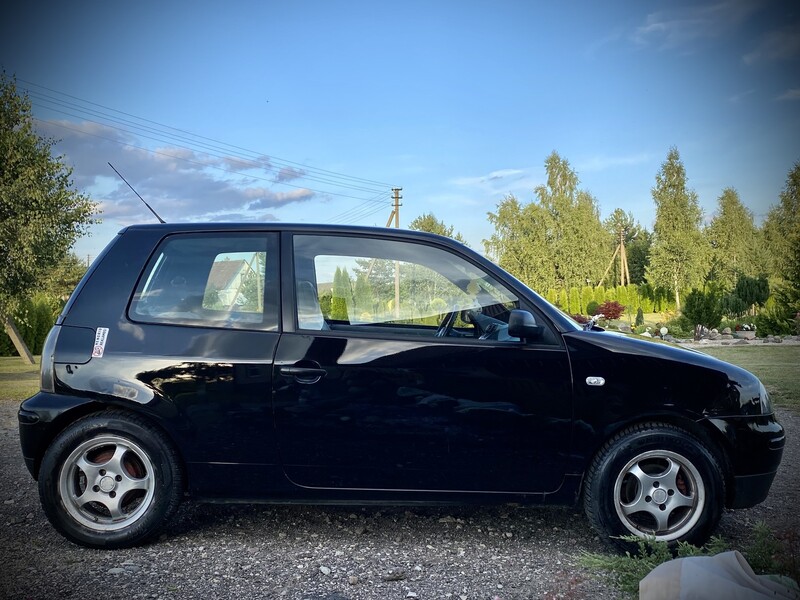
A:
(100, 342)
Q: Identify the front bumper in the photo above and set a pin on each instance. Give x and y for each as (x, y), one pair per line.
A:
(755, 448)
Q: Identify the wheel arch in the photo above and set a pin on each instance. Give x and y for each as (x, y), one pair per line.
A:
(705, 432)
(62, 421)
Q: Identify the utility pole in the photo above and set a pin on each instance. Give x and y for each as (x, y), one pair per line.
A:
(396, 216)
(396, 210)
(624, 272)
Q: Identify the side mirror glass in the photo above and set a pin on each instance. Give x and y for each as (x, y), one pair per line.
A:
(522, 324)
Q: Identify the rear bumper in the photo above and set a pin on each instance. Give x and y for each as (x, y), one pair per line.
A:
(40, 419)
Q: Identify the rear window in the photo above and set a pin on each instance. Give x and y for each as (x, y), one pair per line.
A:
(206, 280)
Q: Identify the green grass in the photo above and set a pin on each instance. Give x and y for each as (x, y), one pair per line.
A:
(17, 379)
(776, 366)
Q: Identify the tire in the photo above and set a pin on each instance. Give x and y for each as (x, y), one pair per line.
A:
(110, 480)
(654, 480)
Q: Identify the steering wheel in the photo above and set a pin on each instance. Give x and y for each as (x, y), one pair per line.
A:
(446, 326)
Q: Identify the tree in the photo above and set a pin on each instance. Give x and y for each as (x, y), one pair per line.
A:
(703, 309)
(638, 250)
(62, 279)
(362, 295)
(342, 295)
(782, 233)
(428, 222)
(678, 254)
(734, 240)
(573, 225)
(41, 216)
(553, 241)
(519, 243)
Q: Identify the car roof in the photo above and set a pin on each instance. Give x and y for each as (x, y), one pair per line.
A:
(306, 228)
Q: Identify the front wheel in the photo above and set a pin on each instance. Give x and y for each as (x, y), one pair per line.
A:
(109, 480)
(654, 480)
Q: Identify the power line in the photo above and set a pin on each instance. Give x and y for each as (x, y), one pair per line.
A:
(188, 160)
(275, 159)
(206, 150)
(139, 127)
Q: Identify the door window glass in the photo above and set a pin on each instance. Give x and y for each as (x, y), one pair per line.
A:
(210, 280)
(359, 284)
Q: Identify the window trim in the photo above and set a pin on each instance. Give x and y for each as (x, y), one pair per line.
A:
(269, 319)
(290, 298)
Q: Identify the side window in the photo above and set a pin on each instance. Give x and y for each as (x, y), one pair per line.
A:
(402, 288)
(224, 280)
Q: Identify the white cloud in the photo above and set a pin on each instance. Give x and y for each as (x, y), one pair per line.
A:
(181, 184)
(680, 27)
(736, 98)
(793, 94)
(494, 176)
(289, 174)
(602, 162)
(781, 44)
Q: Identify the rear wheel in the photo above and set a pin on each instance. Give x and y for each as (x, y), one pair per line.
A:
(654, 480)
(110, 480)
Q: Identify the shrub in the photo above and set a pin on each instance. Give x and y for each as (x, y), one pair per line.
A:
(703, 308)
(772, 320)
(622, 295)
(639, 317)
(765, 552)
(551, 296)
(599, 295)
(611, 309)
(34, 320)
(574, 300)
(587, 296)
(680, 327)
(629, 570)
(752, 290)
(591, 308)
(563, 300)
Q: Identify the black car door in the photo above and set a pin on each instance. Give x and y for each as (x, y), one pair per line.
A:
(395, 371)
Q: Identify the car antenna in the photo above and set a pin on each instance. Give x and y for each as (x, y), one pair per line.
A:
(160, 220)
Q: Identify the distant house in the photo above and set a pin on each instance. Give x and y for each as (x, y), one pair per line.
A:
(226, 278)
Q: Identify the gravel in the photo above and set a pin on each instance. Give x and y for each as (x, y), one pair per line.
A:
(332, 553)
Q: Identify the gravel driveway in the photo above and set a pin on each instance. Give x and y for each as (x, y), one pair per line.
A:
(330, 553)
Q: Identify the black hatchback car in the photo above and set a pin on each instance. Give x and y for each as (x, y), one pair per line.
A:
(314, 364)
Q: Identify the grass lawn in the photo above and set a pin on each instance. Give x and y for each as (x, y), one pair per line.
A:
(18, 380)
(776, 366)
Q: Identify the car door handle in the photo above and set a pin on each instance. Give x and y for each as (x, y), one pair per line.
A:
(307, 375)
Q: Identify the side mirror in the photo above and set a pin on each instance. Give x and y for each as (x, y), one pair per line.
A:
(522, 324)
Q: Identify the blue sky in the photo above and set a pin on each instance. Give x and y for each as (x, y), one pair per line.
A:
(311, 111)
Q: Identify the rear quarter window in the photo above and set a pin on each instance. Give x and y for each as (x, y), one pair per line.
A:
(206, 280)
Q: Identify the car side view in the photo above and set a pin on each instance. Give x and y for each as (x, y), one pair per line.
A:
(322, 364)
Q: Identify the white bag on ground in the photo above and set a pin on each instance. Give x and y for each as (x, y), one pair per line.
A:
(725, 575)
